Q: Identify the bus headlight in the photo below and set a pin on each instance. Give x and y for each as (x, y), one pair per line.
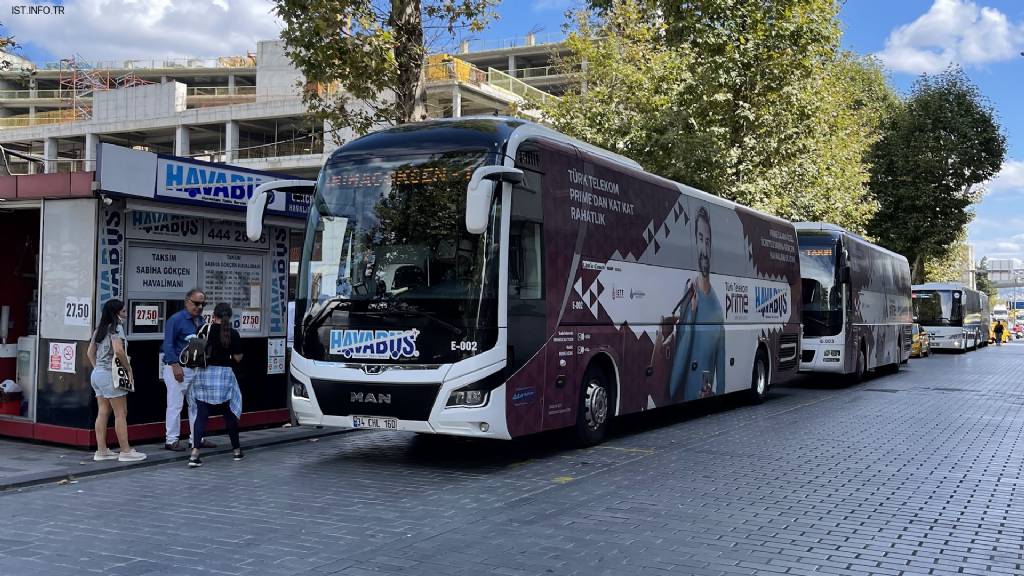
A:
(476, 394)
(298, 389)
(464, 397)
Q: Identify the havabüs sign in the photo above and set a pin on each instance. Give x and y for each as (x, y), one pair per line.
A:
(215, 184)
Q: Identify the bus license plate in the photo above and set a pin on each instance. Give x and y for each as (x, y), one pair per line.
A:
(375, 422)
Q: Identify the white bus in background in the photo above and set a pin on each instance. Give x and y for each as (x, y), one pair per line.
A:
(956, 316)
(856, 303)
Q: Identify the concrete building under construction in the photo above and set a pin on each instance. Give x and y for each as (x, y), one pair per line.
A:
(244, 110)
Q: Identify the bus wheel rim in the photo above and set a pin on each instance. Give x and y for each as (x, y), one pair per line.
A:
(597, 405)
(762, 380)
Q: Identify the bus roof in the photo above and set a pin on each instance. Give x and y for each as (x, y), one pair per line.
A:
(941, 286)
(488, 132)
(493, 133)
(826, 227)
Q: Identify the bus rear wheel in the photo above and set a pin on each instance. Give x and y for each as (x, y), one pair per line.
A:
(759, 378)
(594, 410)
(897, 364)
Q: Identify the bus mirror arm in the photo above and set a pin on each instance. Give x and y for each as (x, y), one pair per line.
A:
(480, 192)
(257, 204)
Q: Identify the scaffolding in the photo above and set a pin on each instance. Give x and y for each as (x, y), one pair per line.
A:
(78, 82)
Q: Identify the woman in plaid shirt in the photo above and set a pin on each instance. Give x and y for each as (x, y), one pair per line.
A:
(215, 387)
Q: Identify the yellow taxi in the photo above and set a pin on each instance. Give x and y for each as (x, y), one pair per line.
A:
(920, 343)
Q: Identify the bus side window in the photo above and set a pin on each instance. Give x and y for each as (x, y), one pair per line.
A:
(526, 245)
(526, 255)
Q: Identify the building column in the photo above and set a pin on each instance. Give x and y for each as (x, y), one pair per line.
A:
(31, 112)
(231, 84)
(181, 141)
(230, 141)
(163, 79)
(456, 102)
(92, 144)
(50, 155)
(512, 65)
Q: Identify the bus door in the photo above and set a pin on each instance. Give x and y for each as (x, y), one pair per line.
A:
(851, 272)
(527, 319)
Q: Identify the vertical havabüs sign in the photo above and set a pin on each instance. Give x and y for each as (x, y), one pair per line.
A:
(109, 277)
(278, 281)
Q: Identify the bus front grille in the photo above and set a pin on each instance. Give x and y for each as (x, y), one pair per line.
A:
(402, 401)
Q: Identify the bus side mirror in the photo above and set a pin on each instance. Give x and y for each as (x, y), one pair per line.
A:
(256, 207)
(480, 191)
(845, 275)
(254, 210)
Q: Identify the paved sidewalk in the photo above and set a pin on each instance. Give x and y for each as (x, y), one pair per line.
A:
(25, 463)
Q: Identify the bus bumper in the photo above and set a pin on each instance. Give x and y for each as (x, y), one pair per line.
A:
(817, 357)
(487, 421)
(948, 343)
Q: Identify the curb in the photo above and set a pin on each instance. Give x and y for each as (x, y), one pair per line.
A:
(161, 457)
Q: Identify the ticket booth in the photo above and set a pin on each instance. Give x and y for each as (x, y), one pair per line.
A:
(45, 220)
(153, 228)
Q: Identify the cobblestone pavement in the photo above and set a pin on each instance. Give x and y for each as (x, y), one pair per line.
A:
(913, 473)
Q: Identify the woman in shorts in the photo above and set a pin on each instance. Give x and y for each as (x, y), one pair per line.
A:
(107, 342)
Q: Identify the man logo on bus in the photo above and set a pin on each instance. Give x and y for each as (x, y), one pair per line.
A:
(698, 363)
(375, 344)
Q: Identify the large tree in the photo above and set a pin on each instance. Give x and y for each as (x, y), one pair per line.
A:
(749, 100)
(929, 166)
(363, 59)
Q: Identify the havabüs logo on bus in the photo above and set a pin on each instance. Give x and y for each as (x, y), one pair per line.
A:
(375, 344)
(164, 224)
(209, 183)
(771, 302)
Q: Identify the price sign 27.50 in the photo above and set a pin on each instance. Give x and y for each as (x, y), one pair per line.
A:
(77, 311)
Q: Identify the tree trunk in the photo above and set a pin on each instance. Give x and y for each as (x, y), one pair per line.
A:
(917, 271)
(407, 23)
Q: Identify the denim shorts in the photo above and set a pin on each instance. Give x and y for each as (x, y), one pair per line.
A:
(103, 384)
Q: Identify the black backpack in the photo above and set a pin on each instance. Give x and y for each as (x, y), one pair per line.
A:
(197, 349)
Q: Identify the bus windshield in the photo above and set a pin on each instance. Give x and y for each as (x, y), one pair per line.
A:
(822, 293)
(937, 308)
(389, 273)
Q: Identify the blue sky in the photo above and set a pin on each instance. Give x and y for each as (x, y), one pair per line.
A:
(986, 37)
(912, 36)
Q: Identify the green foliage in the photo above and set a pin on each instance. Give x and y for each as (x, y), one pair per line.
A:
(929, 164)
(7, 44)
(745, 99)
(950, 267)
(363, 59)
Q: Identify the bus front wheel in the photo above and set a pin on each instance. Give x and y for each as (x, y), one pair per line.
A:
(594, 410)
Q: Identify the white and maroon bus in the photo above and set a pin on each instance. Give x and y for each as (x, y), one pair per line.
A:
(490, 277)
(856, 303)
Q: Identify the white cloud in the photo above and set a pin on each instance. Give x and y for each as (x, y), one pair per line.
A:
(1010, 177)
(138, 29)
(953, 32)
